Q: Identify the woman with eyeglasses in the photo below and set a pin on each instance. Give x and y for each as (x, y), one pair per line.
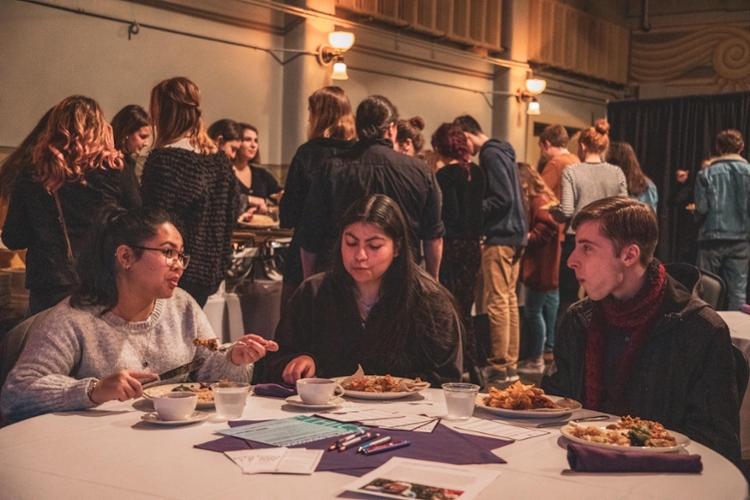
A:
(126, 322)
(186, 176)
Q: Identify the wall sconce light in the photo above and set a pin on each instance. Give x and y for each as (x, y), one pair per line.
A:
(533, 108)
(340, 42)
(535, 85)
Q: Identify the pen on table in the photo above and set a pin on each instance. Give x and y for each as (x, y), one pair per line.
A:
(361, 439)
(386, 447)
(377, 442)
(343, 439)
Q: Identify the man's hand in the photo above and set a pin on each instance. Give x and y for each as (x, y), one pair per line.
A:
(682, 176)
(122, 385)
(251, 348)
(299, 367)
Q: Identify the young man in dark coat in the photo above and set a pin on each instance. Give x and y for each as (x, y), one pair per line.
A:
(641, 344)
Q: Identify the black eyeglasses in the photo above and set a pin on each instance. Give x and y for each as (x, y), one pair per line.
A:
(170, 256)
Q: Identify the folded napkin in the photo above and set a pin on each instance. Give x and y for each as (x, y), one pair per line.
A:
(589, 459)
(442, 445)
(274, 390)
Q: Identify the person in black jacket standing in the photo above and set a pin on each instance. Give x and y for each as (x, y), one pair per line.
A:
(373, 167)
(331, 132)
(185, 176)
(642, 344)
(132, 131)
(505, 234)
(75, 172)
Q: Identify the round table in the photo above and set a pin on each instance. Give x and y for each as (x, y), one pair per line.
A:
(110, 453)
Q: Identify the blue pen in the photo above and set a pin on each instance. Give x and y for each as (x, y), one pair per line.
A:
(386, 447)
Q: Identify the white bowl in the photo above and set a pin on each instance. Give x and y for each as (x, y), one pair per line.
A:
(175, 406)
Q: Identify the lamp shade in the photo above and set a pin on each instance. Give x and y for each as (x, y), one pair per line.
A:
(536, 85)
(339, 71)
(341, 40)
(533, 108)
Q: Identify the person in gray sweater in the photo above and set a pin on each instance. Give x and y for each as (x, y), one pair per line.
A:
(126, 322)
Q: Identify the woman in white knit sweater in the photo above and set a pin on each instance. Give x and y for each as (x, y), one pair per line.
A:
(126, 322)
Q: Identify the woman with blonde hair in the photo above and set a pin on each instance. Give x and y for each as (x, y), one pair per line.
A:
(75, 171)
(331, 132)
(185, 176)
(540, 267)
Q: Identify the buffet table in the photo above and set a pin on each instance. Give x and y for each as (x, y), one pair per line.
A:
(111, 453)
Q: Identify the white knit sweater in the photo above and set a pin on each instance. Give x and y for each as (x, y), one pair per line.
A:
(71, 346)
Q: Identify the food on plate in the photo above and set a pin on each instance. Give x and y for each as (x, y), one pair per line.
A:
(210, 344)
(260, 220)
(628, 432)
(204, 392)
(373, 383)
(518, 397)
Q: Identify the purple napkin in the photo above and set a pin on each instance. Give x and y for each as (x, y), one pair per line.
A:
(589, 459)
(274, 390)
(442, 445)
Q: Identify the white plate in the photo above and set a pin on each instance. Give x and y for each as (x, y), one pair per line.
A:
(539, 413)
(153, 418)
(297, 401)
(378, 395)
(160, 390)
(682, 441)
(250, 225)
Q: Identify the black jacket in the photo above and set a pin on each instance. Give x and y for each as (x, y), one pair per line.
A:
(371, 167)
(33, 223)
(462, 201)
(202, 193)
(684, 376)
(307, 160)
(504, 212)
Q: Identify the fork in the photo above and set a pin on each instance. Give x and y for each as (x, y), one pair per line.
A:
(564, 422)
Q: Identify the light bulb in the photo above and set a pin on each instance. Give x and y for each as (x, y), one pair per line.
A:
(533, 108)
(341, 40)
(339, 71)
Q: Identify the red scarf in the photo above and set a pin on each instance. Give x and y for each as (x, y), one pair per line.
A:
(636, 317)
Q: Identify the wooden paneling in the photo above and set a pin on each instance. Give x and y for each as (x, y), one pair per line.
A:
(566, 38)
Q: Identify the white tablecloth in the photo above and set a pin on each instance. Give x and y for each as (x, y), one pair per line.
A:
(109, 453)
(739, 329)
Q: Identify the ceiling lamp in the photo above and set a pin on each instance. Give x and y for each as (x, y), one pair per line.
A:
(535, 85)
(339, 71)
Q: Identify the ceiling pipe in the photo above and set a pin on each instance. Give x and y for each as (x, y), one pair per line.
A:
(645, 23)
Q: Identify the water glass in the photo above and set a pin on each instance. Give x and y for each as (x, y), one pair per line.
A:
(460, 399)
(230, 398)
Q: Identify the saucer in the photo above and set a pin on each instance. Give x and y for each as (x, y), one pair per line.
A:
(153, 418)
(297, 401)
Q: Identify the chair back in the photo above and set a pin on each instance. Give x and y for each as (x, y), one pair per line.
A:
(714, 290)
(742, 370)
(13, 343)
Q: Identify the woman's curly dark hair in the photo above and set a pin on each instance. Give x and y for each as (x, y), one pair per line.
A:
(450, 142)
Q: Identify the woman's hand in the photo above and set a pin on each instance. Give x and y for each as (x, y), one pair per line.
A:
(259, 203)
(122, 385)
(251, 348)
(299, 367)
(248, 215)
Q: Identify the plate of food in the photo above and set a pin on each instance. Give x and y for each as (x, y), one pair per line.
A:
(203, 390)
(258, 221)
(629, 435)
(364, 386)
(525, 401)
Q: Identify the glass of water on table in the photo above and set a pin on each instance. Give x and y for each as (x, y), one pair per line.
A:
(459, 400)
(230, 398)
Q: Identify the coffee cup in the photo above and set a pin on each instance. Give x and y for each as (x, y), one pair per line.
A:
(318, 391)
(175, 406)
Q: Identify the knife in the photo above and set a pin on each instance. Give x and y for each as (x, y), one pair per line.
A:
(180, 370)
(564, 422)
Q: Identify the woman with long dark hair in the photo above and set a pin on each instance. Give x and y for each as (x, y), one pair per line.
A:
(125, 322)
(75, 171)
(227, 135)
(257, 184)
(375, 308)
(185, 176)
(640, 187)
(131, 130)
(331, 132)
(462, 184)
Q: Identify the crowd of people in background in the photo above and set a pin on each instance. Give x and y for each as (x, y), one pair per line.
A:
(393, 245)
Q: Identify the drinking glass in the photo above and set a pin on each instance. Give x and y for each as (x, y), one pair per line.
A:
(460, 399)
(230, 398)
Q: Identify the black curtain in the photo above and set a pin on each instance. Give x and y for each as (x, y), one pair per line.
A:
(677, 134)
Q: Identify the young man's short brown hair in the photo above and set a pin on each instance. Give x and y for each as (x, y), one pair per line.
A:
(729, 142)
(625, 221)
(556, 135)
